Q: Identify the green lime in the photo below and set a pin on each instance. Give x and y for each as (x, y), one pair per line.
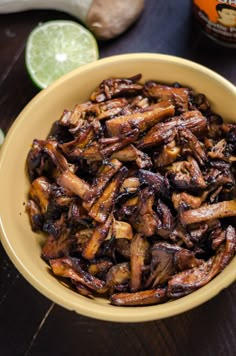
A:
(2, 137)
(55, 48)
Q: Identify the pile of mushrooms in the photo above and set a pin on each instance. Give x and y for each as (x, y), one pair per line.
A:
(135, 191)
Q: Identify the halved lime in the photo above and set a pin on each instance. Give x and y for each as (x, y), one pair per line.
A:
(55, 48)
(2, 137)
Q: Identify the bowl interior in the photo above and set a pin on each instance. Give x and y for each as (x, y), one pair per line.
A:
(22, 245)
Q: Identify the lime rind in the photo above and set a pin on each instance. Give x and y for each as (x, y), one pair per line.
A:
(56, 48)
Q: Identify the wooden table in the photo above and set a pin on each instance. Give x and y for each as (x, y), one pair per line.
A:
(32, 325)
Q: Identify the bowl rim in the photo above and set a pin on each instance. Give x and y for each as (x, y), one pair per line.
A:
(102, 312)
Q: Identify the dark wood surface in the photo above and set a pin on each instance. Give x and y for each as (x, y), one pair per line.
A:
(32, 325)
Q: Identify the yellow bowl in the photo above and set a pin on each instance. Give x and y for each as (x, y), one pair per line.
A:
(23, 246)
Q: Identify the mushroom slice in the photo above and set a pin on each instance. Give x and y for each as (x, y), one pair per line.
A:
(105, 173)
(146, 221)
(168, 259)
(103, 205)
(217, 236)
(208, 212)
(128, 209)
(131, 153)
(74, 184)
(100, 110)
(122, 248)
(70, 268)
(74, 148)
(193, 120)
(105, 147)
(34, 161)
(81, 239)
(162, 264)
(51, 148)
(124, 140)
(130, 185)
(117, 275)
(120, 230)
(40, 193)
(166, 219)
(185, 200)
(73, 117)
(112, 87)
(99, 235)
(123, 230)
(186, 175)
(56, 247)
(99, 266)
(189, 280)
(146, 297)
(181, 235)
(82, 290)
(92, 152)
(179, 96)
(218, 151)
(156, 181)
(35, 215)
(77, 216)
(138, 251)
(143, 119)
(189, 140)
(169, 154)
(111, 108)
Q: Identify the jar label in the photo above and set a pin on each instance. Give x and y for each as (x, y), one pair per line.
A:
(217, 18)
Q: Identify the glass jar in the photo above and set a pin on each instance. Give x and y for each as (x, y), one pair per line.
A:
(217, 18)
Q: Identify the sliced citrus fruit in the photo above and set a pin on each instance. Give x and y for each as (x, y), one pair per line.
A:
(55, 48)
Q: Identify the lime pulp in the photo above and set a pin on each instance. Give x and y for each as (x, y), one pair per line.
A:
(55, 48)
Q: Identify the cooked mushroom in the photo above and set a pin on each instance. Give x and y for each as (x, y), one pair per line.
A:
(40, 193)
(147, 297)
(99, 235)
(118, 275)
(35, 215)
(166, 219)
(169, 154)
(103, 205)
(142, 120)
(157, 182)
(74, 184)
(167, 260)
(100, 266)
(138, 250)
(104, 174)
(186, 175)
(189, 280)
(209, 211)
(193, 120)
(113, 87)
(179, 96)
(189, 140)
(145, 220)
(121, 230)
(57, 247)
(70, 268)
(131, 153)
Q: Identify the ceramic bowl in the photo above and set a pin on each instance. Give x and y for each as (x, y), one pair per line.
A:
(23, 246)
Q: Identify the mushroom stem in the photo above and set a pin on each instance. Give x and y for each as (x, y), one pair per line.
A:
(77, 8)
(214, 211)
